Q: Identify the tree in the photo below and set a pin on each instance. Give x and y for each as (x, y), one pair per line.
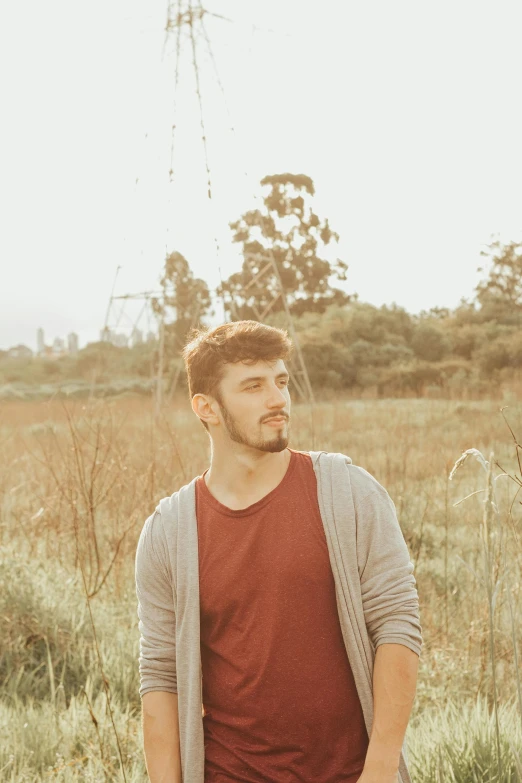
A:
(187, 300)
(435, 313)
(500, 294)
(287, 230)
(364, 321)
(429, 343)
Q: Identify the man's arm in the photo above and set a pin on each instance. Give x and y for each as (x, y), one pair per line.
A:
(391, 611)
(161, 736)
(389, 596)
(394, 685)
(157, 661)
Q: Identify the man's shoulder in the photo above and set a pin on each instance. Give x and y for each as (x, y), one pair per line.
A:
(363, 483)
(157, 534)
(167, 509)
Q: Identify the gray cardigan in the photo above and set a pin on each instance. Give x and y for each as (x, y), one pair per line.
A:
(377, 601)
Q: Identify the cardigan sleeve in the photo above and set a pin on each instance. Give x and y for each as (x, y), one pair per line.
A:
(156, 611)
(389, 596)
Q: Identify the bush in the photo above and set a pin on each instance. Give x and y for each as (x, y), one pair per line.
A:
(465, 339)
(363, 353)
(365, 322)
(323, 358)
(393, 354)
(48, 642)
(494, 355)
(429, 343)
(413, 377)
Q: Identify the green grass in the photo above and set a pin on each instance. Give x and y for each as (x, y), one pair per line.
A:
(456, 743)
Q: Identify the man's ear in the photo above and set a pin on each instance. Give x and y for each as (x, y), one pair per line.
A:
(204, 407)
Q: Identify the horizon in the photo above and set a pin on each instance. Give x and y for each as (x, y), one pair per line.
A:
(411, 163)
(207, 321)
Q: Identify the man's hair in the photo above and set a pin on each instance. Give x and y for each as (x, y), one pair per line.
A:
(210, 349)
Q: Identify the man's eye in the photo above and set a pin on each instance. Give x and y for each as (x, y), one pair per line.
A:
(256, 385)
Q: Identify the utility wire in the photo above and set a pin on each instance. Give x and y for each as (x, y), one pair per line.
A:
(201, 112)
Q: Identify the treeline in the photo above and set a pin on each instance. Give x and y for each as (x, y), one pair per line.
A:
(346, 344)
(362, 346)
(355, 347)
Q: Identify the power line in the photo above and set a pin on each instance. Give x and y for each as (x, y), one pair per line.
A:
(195, 17)
(186, 16)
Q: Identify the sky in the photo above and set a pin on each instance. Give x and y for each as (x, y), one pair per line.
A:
(406, 115)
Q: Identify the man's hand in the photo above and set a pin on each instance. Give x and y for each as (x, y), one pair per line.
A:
(370, 777)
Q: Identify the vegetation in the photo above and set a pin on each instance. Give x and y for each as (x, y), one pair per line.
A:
(411, 398)
(288, 231)
(347, 344)
(69, 708)
(355, 346)
(363, 349)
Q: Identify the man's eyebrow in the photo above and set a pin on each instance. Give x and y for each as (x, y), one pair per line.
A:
(262, 378)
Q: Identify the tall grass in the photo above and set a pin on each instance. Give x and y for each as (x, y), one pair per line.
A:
(78, 480)
(496, 568)
(454, 744)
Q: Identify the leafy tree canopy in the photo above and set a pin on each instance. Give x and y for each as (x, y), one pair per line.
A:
(500, 294)
(187, 299)
(287, 230)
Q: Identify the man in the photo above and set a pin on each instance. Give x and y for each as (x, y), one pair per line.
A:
(279, 617)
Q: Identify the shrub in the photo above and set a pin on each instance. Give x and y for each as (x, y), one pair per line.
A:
(362, 321)
(492, 356)
(48, 641)
(429, 343)
(321, 358)
(465, 339)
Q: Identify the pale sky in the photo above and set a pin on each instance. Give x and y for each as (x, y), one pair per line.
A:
(406, 115)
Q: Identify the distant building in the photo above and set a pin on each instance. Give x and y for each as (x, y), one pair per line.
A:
(120, 339)
(20, 352)
(72, 343)
(40, 341)
(58, 346)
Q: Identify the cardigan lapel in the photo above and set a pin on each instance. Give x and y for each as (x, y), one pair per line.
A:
(338, 514)
(188, 644)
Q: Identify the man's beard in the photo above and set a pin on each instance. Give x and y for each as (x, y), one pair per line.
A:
(275, 443)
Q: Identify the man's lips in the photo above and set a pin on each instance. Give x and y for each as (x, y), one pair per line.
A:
(278, 420)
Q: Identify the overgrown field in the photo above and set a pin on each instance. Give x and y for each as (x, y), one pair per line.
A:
(77, 481)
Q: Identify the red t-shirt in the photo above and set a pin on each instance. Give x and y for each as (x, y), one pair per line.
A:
(279, 696)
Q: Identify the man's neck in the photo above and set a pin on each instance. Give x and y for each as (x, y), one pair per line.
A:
(238, 480)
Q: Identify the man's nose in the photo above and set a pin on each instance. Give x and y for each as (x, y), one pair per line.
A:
(278, 398)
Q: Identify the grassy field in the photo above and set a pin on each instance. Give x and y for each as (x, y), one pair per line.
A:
(77, 481)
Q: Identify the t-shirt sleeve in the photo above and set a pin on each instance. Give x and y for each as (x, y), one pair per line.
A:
(156, 610)
(390, 598)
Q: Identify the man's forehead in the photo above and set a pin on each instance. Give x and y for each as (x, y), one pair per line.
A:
(239, 370)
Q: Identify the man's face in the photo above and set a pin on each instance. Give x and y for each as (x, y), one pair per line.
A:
(250, 396)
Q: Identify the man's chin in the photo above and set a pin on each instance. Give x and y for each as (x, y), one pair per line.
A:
(277, 445)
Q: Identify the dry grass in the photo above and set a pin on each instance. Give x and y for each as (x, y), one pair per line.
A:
(77, 481)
